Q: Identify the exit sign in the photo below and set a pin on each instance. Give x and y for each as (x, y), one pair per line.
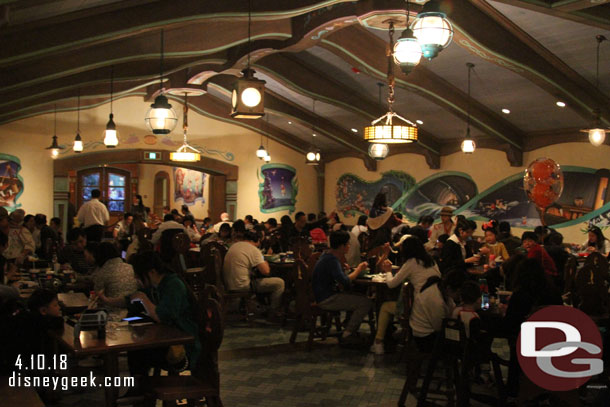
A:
(152, 155)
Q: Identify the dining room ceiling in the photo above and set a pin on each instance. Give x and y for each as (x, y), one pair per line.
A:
(322, 55)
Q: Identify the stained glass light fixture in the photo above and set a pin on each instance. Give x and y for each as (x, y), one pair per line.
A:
(468, 145)
(597, 134)
(391, 127)
(161, 118)
(185, 153)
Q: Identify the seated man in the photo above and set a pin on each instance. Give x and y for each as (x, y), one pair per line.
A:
(168, 223)
(74, 253)
(328, 273)
(536, 251)
(242, 257)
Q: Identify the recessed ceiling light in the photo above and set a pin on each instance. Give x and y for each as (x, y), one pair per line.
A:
(560, 104)
(505, 111)
(289, 122)
(314, 134)
(419, 122)
(355, 130)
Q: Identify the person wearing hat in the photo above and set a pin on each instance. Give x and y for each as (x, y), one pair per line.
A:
(20, 240)
(446, 227)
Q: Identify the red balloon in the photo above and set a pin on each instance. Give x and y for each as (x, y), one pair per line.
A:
(542, 170)
(542, 195)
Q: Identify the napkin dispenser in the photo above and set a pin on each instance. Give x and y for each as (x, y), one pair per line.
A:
(92, 320)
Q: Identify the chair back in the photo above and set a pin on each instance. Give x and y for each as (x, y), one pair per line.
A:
(300, 248)
(302, 289)
(599, 264)
(408, 297)
(569, 274)
(211, 324)
(590, 293)
(363, 239)
(180, 246)
(167, 251)
(212, 259)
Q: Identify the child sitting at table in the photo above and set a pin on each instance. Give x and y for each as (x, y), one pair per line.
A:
(470, 293)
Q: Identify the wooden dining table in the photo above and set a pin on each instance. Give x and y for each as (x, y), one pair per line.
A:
(120, 339)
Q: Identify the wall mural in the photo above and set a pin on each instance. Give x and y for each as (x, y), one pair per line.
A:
(278, 188)
(11, 183)
(585, 198)
(355, 195)
(188, 186)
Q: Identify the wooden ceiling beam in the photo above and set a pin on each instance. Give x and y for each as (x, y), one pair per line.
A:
(574, 5)
(367, 52)
(22, 42)
(577, 16)
(487, 33)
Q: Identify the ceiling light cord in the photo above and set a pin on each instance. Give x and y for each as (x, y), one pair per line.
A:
(391, 69)
(185, 123)
(55, 121)
(470, 66)
(249, 30)
(111, 86)
(78, 112)
(161, 62)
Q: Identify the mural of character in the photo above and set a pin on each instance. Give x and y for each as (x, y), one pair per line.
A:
(11, 184)
(278, 188)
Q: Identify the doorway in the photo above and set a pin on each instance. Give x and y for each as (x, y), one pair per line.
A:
(161, 193)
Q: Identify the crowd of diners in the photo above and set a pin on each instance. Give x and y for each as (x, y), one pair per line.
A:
(440, 259)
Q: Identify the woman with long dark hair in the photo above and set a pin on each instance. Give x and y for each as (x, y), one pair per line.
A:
(417, 268)
(138, 209)
(596, 242)
(380, 222)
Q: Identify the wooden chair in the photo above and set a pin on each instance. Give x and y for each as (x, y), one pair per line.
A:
(407, 292)
(204, 381)
(590, 292)
(213, 258)
(307, 310)
(569, 275)
(180, 247)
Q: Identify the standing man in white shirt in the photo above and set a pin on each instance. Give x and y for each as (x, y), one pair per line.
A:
(93, 216)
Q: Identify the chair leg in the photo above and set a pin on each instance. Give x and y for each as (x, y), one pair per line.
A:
(312, 329)
(421, 400)
(298, 324)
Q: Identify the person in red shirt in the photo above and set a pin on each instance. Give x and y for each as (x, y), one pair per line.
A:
(529, 241)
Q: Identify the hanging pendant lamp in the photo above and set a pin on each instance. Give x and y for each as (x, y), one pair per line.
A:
(185, 153)
(110, 138)
(54, 147)
(468, 145)
(78, 141)
(378, 151)
(161, 118)
(248, 97)
(391, 127)
(432, 29)
(313, 155)
(597, 134)
(267, 158)
(407, 51)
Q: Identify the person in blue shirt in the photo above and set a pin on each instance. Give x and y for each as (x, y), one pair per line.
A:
(330, 285)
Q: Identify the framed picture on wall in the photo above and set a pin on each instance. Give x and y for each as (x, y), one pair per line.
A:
(11, 183)
(188, 186)
(278, 188)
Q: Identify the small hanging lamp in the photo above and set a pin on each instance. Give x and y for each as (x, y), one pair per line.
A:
(161, 118)
(407, 51)
(261, 152)
(267, 158)
(597, 134)
(432, 29)
(384, 129)
(110, 138)
(378, 151)
(185, 153)
(248, 98)
(78, 141)
(313, 155)
(54, 147)
(468, 145)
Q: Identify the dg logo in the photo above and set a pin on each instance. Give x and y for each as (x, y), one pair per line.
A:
(560, 348)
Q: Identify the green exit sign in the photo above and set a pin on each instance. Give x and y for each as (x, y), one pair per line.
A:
(152, 155)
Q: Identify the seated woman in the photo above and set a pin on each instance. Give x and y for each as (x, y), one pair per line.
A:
(455, 255)
(223, 236)
(596, 242)
(167, 300)
(191, 228)
(417, 268)
(434, 302)
(114, 279)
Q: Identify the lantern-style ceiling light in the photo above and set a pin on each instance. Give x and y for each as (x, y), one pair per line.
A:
(378, 151)
(407, 51)
(78, 141)
(313, 155)
(432, 29)
(161, 118)
(391, 127)
(110, 137)
(54, 147)
(248, 98)
(185, 153)
(597, 134)
(468, 145)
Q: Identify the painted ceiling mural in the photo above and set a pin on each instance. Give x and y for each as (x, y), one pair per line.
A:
(585, 197)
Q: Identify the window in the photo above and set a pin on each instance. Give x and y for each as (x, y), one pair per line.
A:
(113, 184)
